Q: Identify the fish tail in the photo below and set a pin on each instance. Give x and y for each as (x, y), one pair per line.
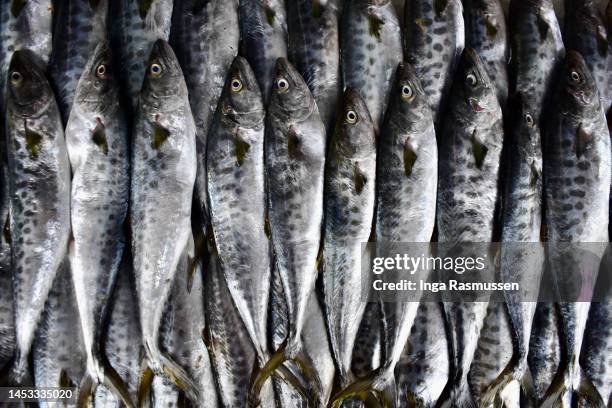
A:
(514, 370)
(15, 372)
(456, 396)
(380, 384)
(179, 377)
(144, 385)
(587, 391)
(111, 379)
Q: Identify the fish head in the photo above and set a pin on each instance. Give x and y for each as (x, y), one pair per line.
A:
(29, 91)
(409, 99)
(242, 101)
(526, 137)
(96, 88)
(164, 77)
(354, 135)
(475, 86)
(290, 94)
(578, 82)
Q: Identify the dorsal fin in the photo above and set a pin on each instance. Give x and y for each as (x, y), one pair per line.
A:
(98, 136)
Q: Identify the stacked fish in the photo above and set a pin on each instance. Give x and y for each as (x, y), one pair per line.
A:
(186, 186)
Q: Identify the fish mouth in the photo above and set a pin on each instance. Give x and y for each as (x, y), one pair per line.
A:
(582, 97)
(476, 106)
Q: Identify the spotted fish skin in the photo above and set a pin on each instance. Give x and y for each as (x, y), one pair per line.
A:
(371, 48)
(206, 42)
(577, 148)
(486, 33)
(79, 27)
(433, 42)
(470, 148)
(367, 351)
(97, 143)
(314, 49)
(537, 52)
(586, 33)
(133, 33)
(544, 348)
(39, 195)
(236, 189)
(263, 31)
(349, 210)
(163, 177)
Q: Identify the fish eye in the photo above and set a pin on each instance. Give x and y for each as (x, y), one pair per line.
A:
(575, 76)
(155, 69)
(351, 116)
(282, 84)
(101, 71)
(471, 80)
(407, 92)
(529, 120)
(236, 85)
(16, 77)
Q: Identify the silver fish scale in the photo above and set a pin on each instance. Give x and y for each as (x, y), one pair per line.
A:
(433, 43)
(263, 31)
(487, 33)
(78, 30)
(537, 51)
(314, 49)
(133, 37)
(369, 60)
(40, 214)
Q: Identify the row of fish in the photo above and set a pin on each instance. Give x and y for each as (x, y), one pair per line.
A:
(437, 128)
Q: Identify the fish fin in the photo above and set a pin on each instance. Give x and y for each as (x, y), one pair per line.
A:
(376, 23)
(113, 381)
(602, 41)
(464, 398)
(98, 136)
(293, 143)
(17, 6)
(543, 27)
(262, 375)
(534, 175)
(587, 391)
(87, 388)
(583, 140)
(270, 14)
(410, 157)
(507, 375)
(413, 400)
(64, 380)
(179, 377)
(422, 24)
(528, 387)
(557, 388)
(198, 254)
(6, 230)
(379, 384)
(317, 8)
(440, 6)
(144, 385)
(198, 5)
(33, 140)
(241, 148)
(479, 151)
(143, 7)
(359, 178)
(491, 27)
(160, 134)
(94, 4)
(267, 227)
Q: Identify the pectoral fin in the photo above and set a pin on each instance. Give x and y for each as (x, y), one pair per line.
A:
(584, 139)
(479, 151)
(410, 157)
(33, 141)
(160, 134)
(98, 136)
(360, 179)
(241, 148)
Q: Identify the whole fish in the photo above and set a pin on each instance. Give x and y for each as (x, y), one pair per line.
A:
(235, 168)
(544, 348)
(58, 351)
(537, 53)
(97, 142)
(314, 49)
(136, 25)
(486, 33)
(39, 193)
(422, 371)
(577, 190)
(122, 343)
(434, 37)
(371, 48)
(263, 33)
(349, 178)
(522, 260)
(79, 27)
(205, 37)
(587, 34)
(294, 155)
(163, 176)
(470, 148)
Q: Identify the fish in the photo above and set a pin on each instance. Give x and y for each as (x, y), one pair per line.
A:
(422, 371)
(122, 343)
(7, 325)
(407, 178)
(434, 37)
(371, 48)
(237, 197)
(487, 33)
(367, 350)
(58, 350)
(205, 37)
(79, 27)
(350, 178)
(522, 259)
(294, 153)
(577, 149)
(136, 27)
(263, 33)
(39, 174)
(587, 34)
(314, 49)
(97, 143)
(544, 348)
(163, 177)
(537, 53)
(469, 154)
